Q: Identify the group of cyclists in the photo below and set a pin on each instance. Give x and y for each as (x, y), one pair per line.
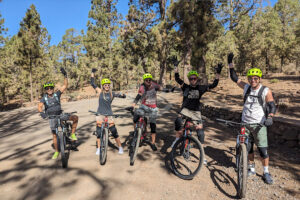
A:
(259, 107)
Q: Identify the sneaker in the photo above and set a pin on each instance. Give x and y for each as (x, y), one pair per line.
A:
(73, 136)
(153, 147)
(268, 178)
(121, 150)
(55, 155)
(98, 151)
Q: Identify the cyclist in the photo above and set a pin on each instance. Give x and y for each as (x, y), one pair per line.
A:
(254, 111)
(106, 96)
(147, 93)
(190, 107)
(51, 102)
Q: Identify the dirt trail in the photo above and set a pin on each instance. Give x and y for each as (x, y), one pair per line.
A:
(27, 171)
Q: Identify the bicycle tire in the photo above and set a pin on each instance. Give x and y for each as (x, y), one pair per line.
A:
(180, 145)
(62, 145)
(242, 170)
(134, 153)
(103, 147)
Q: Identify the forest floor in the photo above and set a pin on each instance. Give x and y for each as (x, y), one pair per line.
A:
(27, 171)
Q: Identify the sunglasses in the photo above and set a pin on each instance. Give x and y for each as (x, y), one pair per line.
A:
(192, 79)
(49, 88)
(148, 80)
(253, 78)
(106, 85)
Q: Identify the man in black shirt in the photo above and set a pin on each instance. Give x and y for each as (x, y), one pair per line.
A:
(51, 102)
(191, 101)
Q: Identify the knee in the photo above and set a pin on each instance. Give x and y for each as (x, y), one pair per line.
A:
(114, 131)
(178, 123)
(263, 152)
(200, 134)
(153, 127)
(74, 118)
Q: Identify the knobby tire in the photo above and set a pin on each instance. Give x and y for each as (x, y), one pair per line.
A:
(180, 145)
(103, 146)
(137, 138)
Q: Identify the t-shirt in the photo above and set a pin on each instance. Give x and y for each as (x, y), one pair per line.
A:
(53, 107)
(253, 112)
(192, 96)
(105, 100)
(149, 97)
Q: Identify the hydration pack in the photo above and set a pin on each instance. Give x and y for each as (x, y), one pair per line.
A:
(47, 101)
(259, 98)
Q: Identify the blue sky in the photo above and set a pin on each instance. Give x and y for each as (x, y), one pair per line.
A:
(56, 15)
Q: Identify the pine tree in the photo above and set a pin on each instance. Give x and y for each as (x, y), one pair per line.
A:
(32, 47)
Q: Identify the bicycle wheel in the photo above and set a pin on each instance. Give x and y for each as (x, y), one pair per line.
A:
(62, 145)
(187, 157)
(135, 145)
(242, 170)
(103, 146)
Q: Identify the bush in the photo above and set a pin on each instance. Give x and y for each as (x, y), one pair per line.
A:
(274, 80)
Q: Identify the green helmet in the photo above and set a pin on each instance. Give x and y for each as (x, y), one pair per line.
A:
(105, 81)
(254, 72)
(193, 73)
(145, 76)
(48, 84)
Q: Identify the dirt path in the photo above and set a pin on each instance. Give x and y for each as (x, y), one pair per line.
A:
(27, 171)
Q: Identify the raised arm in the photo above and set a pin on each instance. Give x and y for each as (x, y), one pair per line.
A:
(216, 81)
(65, 86)
(93, 81)
(233, 74)
(177, 78)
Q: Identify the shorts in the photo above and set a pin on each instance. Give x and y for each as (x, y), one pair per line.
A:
(101, 118)
(260, 138)
(194, 115)
(145, 109)
(54, 122)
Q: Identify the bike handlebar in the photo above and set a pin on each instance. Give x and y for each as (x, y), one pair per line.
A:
(56, 116)
(232, 123)
(97, 114)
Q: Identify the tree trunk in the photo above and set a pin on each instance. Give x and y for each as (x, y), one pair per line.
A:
(281, 63)
(202, 71)
(187, 62)
(30, 79)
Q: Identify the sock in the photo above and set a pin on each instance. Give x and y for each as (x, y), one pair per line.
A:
(266, 169)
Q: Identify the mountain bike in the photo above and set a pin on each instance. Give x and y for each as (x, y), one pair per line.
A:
(187, 153)
(243, 142)
(104, 135)
(139, 134)
(63, 133)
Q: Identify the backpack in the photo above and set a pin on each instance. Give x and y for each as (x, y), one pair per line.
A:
(47, 102)
(259, 97)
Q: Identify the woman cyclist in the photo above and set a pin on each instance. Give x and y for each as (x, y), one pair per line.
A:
(105, 99)
(191, 101)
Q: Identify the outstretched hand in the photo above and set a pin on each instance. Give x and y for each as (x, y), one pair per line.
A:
(63, 71)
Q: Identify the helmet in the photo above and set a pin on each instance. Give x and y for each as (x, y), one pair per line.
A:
(193, 73)
(254, 72)
(145, 76)
(105, 81)
(48, 84)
